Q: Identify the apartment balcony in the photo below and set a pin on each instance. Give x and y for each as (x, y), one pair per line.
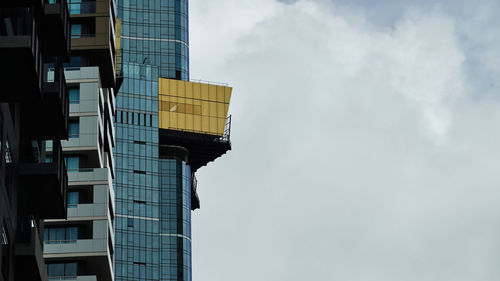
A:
(98, 40)
(82, 8)
(88, 210)
(89, 176)
(20, 54)
(93, 249)
(50, 117)
(86, 143)
(56, 29)
(99, 48)
(29, 255)
(94, 253)
(46, 181)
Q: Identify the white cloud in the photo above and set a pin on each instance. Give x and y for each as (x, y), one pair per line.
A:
(360, 152)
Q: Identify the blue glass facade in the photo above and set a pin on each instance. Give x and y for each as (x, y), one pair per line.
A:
(155, 32)
(137, 175)
(175, 221)
(153, 195)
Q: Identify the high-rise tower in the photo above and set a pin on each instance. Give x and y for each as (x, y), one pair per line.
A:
(167, 128)
(34, 41)
(81, 247)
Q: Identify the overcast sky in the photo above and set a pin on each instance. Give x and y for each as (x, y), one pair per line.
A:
(366, 140)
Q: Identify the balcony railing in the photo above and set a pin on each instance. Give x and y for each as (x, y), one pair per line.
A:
(60, 241)
(62, 278)
(226, 137)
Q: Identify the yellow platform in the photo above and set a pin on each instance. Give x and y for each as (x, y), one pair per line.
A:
(193, 107)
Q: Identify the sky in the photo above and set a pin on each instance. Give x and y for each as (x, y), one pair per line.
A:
(365, 140)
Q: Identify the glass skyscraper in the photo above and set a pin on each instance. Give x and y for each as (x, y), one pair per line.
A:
(166, 128)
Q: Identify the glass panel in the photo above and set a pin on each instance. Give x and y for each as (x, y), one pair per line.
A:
(70, 269)
(59, 234)
(76, 30)
(81, 7)
(50, 73)
(74, 95)
(73, 199)
(72, 163)
(56, 269)
(74, 129)
(75, 63)
(71, 234)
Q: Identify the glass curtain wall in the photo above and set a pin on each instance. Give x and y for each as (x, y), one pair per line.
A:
(175, 219)
(155, 32)
(153, 235)
(137, 175)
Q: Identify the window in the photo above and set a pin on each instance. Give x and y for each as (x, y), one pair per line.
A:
(72, 163)
(77, 7)
(74, 128)
(74, 95)
(130, 222)
(75, 62)
(49, 72)
(83, 29)
(73, 199)
(58, 270)
(61, 235)
(76, 30)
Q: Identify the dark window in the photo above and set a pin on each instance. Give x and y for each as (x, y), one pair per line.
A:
(74, 62)
(74, 95)
(58, 271)
(72, 163)
(61, 235)
(130, 222)
(74, 128)
(76, 30)
(83, 29)
(73, 197)
(77, 7)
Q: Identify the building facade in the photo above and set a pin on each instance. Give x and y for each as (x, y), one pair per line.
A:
(81, 247)
(34, 42)
(167, 128)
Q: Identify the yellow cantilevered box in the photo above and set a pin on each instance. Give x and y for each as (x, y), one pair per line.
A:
(193, 107)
